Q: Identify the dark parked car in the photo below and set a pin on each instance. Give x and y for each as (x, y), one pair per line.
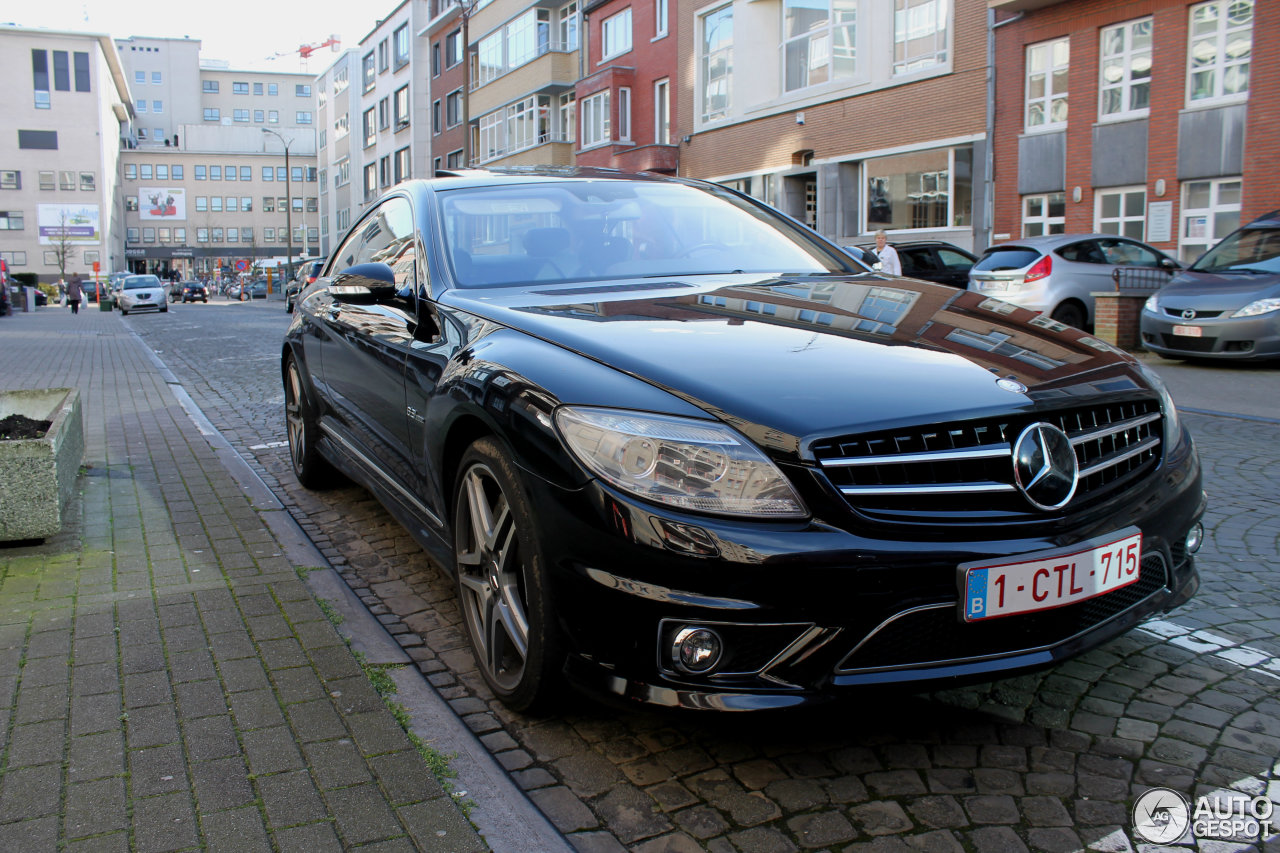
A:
(928, 260)
(308, 272)
(194, 290)
(1227, 304)
(677, 448)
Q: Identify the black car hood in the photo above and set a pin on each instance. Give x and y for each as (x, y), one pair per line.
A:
(787, 358)
(1204, 291)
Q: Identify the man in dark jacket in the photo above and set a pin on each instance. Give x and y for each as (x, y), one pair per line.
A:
(75, 292)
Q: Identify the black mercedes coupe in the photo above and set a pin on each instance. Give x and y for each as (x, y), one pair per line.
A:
(677, 448)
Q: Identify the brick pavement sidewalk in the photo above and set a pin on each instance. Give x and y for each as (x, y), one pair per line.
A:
(167, 680)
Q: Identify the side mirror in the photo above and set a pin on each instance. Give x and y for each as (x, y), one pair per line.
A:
(1169, 264)
(364, 283)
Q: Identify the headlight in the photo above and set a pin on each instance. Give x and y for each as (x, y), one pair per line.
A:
(1152, 305)
(1261, 306)
(702, 466)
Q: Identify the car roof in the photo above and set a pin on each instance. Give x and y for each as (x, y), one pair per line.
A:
(450, 178)
(1053, 241)
(1266, 220)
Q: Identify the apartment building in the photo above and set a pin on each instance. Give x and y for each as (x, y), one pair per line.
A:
(1152, 119)
(337, 102)
(450, 133)
(65, 104)
(204, 181)
(625, 97)
(392, 132)
(524, 66)
(851, 117)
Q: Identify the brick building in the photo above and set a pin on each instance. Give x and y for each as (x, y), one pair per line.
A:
(851, 117)
(625, 96)
(449, 132)
(1151, 118)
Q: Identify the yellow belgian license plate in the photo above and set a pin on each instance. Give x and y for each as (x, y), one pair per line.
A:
(1052, 578)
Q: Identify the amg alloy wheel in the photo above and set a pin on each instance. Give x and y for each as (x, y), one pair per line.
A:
(311, 469)
(502, 584)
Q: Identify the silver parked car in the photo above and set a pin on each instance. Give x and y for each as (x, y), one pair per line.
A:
(139, 292)
(1227, 304)
(1057, 274)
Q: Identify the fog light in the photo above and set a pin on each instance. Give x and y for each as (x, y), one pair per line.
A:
(696, 650)
(1195, 538)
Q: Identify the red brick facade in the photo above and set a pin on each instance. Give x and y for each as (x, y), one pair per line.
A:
(1082, 21)
(449, 79)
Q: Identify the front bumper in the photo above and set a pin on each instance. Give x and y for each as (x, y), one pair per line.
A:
(813, 610)
(1242, 339)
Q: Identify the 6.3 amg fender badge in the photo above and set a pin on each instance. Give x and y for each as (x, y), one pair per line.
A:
(1044, 466)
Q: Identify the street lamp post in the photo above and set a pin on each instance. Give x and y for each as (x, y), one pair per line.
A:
(288, 209)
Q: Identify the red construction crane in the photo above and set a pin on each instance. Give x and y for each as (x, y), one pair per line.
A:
(304, 51)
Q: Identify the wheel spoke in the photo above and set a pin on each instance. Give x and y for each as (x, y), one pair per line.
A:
(470, 558)
(513, 619)
(478, 503)
(502, 522)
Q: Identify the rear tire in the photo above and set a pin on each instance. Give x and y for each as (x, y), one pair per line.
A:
(124, 312)
(1071, 314)
(311, 469)
(503, 588)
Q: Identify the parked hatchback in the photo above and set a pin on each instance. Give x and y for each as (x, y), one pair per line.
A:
(1227, 304)
(1057, 274)
(141, 292)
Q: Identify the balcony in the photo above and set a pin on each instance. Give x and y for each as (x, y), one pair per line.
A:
(550, 69)
(552, 149)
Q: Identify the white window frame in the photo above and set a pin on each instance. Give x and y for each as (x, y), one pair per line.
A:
(1221, 39)
(1190, 248)
(1047, 222)
(1130, 61)
(819, 61)
(662, 111)
(615, 35)
(706, 57)
(624, 114)
(1116, 224)
(1051, 69)
(915, 20)
(594, 114)
(567, 25)
(660, 14)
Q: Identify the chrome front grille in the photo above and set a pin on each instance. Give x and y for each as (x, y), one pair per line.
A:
(964, 470)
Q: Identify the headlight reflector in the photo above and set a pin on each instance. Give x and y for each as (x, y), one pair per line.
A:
(701, 466)
(1152, 305)
(1259, 306)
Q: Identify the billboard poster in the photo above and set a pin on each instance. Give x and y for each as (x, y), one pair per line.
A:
(76, 223)
(162, 203)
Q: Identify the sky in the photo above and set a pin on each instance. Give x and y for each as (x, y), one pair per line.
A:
(242, 32)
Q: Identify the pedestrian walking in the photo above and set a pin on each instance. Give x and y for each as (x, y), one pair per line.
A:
(889, 262)
(75, 292)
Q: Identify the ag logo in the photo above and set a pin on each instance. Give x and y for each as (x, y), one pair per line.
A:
(1161, 816)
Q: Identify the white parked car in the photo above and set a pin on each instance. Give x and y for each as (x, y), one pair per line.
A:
(142, 292)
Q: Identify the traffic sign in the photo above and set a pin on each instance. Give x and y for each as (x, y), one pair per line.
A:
(242, 265)
(97, 266)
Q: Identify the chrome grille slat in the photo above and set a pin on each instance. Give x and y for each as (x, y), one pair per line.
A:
(962, 473)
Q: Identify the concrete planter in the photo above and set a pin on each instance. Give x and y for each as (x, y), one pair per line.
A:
(37, 475)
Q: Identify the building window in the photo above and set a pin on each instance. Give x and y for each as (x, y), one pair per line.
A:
(1047, 65)
(162, 173)
(157, 106)
(370, 72)
(215, 204)
(403, 171)
(384, 113)
(616, 34)
(148, 235)
(1121, 211)
(230, 173)
(257, 88)
(177, 172)
(919, 34)
(818, 41)
(370, 181)
(200, 173)
(10, 179)
(15, 259)
(1221, 46)
(453, 108)
(140, 78)
(437, 124)
(1210, 211)
(302, 90)
(240, 115)
(202, 235)
(215, 173)
(259, 116)
(624, 113)
(210, 87)
(342, 172)
(61, 72)
(268, 235)
(402, 107)
(38, 140)
(130, 174)
(568, 109)
(295, 174)
(595, 119)
(246, 173)
(1044, 214)
(453, 160)
(1125, 86)
(81, 61)
(268, 204)
(401, 38)
(89, 182)
(715, 63)
(370, 130)
(916, 190)
(435, 60)
(67, 182)
(212, 114)
(239, 88)
(662, 112)
(453, 48)
(567, 18)
(202, 203)
(436, 165)
(384, 171)
(40, 78)
(217, 235)
(660, 18)
(162, 235)
(303, 117)
(11, 220)
(132, 235)
(156, 77)
(246, 203)
(313, 204)
(382, 56)
(273, 89)
(273, 117)
(140, 106)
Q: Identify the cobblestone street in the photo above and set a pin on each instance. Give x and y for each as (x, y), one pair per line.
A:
(1048, 762)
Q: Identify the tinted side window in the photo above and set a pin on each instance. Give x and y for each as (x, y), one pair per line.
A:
(917, 260)
(1130, 254)
(388, 238)
(954, 260)
(1084, 252)
(346, 254)
(1012, 258)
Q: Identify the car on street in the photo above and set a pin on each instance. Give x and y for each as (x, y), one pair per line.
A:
(1226, 305)
(142, 293)
(193, 291)
(307, 273)
(257, 289)
(1057, 274)
(676, 448)
(927, 260)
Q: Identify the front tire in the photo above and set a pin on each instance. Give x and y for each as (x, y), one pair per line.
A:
(311, 469)
(503, 588)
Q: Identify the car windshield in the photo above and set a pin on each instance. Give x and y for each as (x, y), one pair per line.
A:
(1253, 250)
(1011, 258)
(134, 282)
(599, 230)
